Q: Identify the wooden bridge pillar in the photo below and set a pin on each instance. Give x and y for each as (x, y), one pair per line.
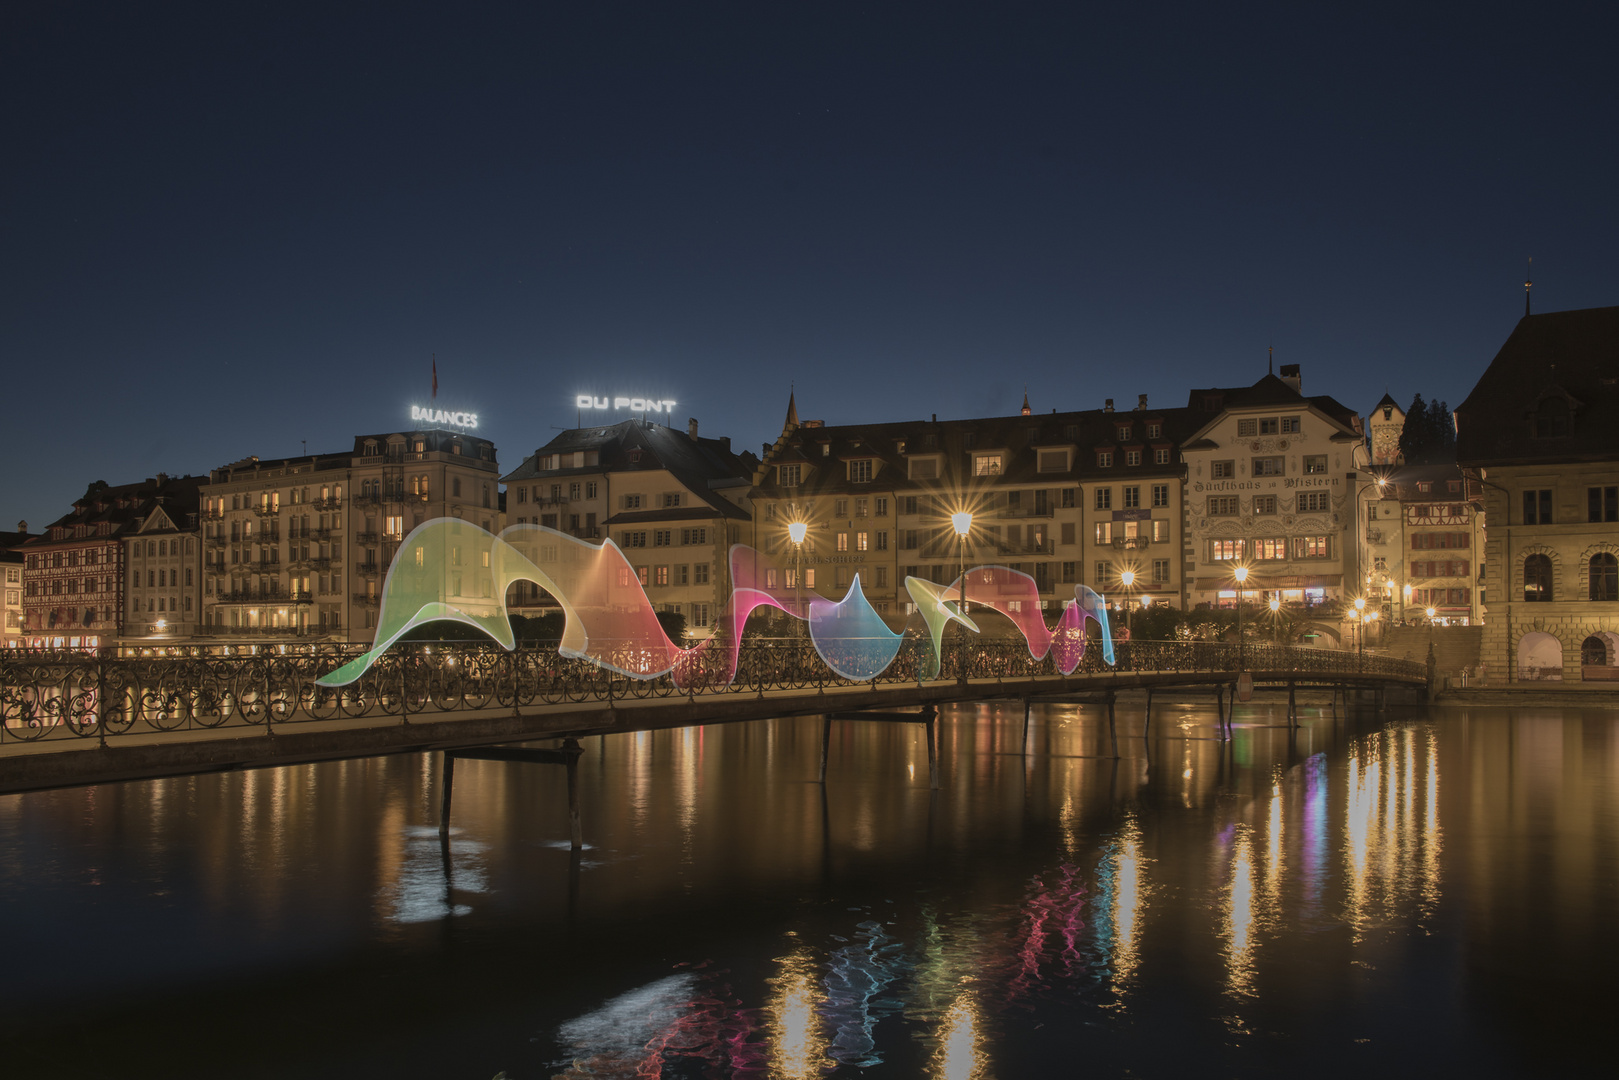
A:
(932, 715)
(446, 787)
(1292, 705)
(1028, 707)
(567, 756)
(826, 743)
(1146, 729)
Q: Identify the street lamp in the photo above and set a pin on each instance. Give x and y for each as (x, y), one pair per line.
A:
(1430, 631)
(1360, 633)
(962, 522)
(1241, 574)
(1127, 579)
(796, 531)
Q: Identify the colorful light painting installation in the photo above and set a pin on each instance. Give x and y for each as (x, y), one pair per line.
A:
(449, 569)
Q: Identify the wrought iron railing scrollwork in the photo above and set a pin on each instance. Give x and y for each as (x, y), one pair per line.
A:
(95, 696)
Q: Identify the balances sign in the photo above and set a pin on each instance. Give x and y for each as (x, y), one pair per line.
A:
(467, 421)
(634, 404)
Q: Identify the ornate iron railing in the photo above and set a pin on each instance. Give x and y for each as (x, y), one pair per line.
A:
(48, 695)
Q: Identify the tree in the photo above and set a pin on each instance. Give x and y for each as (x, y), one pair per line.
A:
(1429, 436)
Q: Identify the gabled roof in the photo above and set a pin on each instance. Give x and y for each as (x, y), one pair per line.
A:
(125, 507)
(1269, 392)
(702, 466)
(1569, 355)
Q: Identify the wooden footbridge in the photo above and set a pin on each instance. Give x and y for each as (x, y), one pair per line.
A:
(76, 719)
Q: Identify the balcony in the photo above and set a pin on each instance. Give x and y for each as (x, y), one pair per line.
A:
(367, 569)
(215, 542)
(327, 504)
(300, 596)
(365, 600)
(1023, 547)
(1022, 511)
(267, 511)
(368, 538)
(367, 500)
(213, 515)
(1131, 543)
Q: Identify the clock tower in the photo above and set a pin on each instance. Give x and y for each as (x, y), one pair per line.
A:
(1385, 424)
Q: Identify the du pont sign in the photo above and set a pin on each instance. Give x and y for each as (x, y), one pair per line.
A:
(634, 404)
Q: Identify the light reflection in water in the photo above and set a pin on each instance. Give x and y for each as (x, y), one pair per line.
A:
(1239, 916)
(959, 1055)
(798, 1046)
(1121, 896)
(1392, 834)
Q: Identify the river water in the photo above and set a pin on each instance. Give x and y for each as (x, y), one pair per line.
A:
(1392, 895)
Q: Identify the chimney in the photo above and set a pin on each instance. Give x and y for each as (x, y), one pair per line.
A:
(162, 478)
(725, 441)
(1141, 403)
(22, 526)
(691, 428)
(1289, 373)
(1109, 406)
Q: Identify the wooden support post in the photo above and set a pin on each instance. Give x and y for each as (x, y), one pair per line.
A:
(446, 786)
(1292, 705)
(577, 831)
(1146, 729)
(1112, 727)
(1219, 707)
(826, 743)
(1028, 707)
(932, 715)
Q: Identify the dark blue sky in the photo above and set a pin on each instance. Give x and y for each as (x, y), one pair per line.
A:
(231, 227)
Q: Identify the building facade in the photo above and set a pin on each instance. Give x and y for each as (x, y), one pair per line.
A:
(1540, 434)
(300, 547)
(672, 501)
(163, 554)
(1425, 537)
(1273, 486)
(1071, 498)
(75, 575)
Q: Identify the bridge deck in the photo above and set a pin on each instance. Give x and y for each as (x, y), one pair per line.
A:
(65, 759)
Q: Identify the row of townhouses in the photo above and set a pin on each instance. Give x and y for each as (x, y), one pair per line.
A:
(1145, 505)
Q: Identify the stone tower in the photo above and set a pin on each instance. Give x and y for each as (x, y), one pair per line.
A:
(1385, 423)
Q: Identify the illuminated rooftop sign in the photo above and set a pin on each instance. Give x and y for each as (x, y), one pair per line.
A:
(634, 404)
(466, 421)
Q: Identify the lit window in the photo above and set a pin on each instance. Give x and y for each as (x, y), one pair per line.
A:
(987, 465)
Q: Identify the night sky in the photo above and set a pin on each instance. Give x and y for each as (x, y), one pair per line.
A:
(231, 227)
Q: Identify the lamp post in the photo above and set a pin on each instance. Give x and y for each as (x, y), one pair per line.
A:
(796, 531)
(1241, 574)
(1430, 629)
(1275, 614)
(962, 522)
(1128, 579)
(1360, 632)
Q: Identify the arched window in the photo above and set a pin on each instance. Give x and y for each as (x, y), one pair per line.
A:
(1604, 577)
(1593, 652)
(1537, 578)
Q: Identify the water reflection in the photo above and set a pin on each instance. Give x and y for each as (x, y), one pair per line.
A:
(959, 1055)
(798, 1045)
(1238, 924)
(948, 935)
(1392, 833)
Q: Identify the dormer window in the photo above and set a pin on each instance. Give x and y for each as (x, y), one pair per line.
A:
(1124, 432)
(899, 446)
(1053, 461)
(1155, 431)
(987, 465)
(826, 449)
(789, 475)
(1551, 418)
(860, 471)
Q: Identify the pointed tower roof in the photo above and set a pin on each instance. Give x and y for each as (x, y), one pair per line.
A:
(792, 412)
(1025, 401)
